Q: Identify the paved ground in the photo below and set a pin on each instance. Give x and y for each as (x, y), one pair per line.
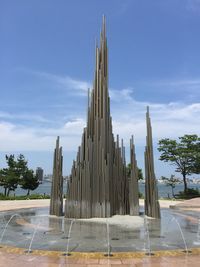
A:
(16, 260)
(36, 203)
(191, 204)
(6, 205)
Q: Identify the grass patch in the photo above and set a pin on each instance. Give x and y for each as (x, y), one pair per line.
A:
(32, 196)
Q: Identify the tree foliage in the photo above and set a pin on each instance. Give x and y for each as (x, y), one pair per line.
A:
(128, 171)
(184, 154)
(21, 165)
(172, 182)
(9, 177)
(29, 181)
(9, 180)
(17, 173)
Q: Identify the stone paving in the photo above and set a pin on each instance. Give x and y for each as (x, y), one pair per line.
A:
(17, 260)
(6, 205)
(191, 204)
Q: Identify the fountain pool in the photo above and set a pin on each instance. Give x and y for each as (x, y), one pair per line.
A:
(33, 229)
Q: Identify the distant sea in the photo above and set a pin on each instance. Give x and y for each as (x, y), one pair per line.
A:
(45, 188)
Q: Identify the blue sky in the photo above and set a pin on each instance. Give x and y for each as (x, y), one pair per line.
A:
(47, 64)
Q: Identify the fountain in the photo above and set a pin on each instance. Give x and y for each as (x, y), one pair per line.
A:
(99, 186)
(108, 254)
(145, 234)
(182, 235)
(197, 242)
(2, 235)
(68, 240)
(186, 250)
(4, 222)
(147, 243)
(65, 235)
(34, 233)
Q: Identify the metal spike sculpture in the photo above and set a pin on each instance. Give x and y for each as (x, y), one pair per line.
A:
(133, 182)
(56, 202)
(98, 186)
(152, 207)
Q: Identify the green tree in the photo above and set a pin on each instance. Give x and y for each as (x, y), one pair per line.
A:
(21, 165)
(128, 171)
(140, 174)
(29, 181)
(9, 180)
(183, 154)
(15, 174)
(172, 182)
(9, 177)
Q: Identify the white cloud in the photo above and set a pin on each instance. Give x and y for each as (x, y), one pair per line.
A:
(74, 86)
(168, 120)
(23, 116)
(74, 126)
(16, 137)
(117, 95)
(63, 81)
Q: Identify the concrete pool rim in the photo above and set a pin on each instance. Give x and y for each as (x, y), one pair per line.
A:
(100, 255)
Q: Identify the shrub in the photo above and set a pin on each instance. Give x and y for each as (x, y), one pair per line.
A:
(141, 195)
(33, 196)
(189, 193)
